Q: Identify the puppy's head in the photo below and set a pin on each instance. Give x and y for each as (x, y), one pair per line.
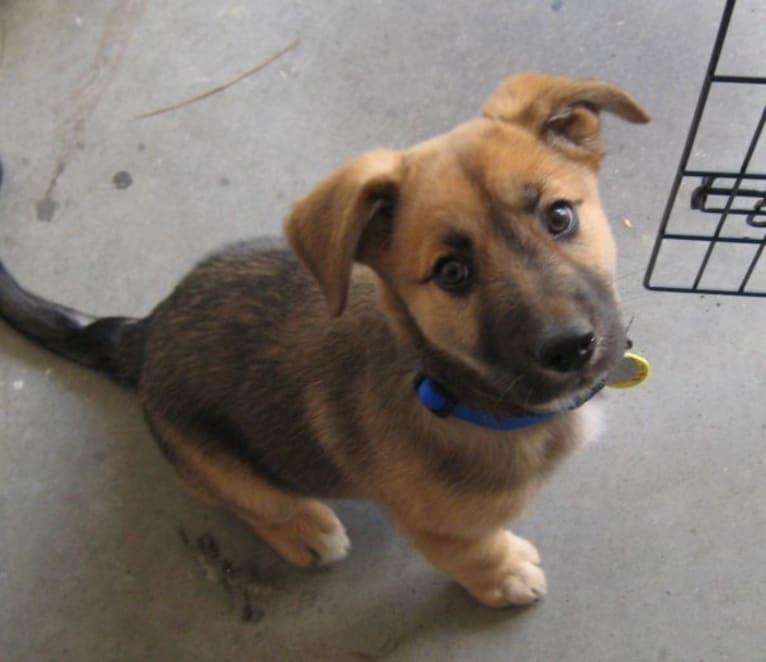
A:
(493, 251)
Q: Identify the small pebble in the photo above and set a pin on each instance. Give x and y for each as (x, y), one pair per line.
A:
(18, 385)
(626, 222)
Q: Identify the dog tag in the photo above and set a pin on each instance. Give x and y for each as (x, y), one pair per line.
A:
(630, 371)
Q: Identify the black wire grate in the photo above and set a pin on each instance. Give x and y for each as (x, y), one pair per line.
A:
(737, 239)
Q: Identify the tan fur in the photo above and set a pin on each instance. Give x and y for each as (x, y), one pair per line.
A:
(304, 531)
(337, 376)
(349, 197)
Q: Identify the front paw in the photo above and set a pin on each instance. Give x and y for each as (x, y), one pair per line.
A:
(516, 580)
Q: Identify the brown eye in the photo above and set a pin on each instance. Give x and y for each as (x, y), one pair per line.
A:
(452, 274)
(560, 218)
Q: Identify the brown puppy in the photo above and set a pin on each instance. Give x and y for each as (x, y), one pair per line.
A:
(480, 259)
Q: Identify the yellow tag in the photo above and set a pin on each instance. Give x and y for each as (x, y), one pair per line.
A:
(630, 371)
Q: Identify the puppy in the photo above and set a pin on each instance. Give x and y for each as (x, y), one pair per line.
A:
(425, 344)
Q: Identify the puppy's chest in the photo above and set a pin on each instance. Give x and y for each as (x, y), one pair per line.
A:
(472, 458)
(479, 479)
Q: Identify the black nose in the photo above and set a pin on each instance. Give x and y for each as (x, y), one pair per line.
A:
(567, 346)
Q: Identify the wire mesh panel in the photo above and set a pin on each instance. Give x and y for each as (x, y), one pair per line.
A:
(715, 217)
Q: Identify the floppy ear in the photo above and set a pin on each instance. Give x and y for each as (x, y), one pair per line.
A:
(345, 218)
(563, 112)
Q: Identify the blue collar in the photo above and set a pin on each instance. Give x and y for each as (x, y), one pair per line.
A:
(438, 400)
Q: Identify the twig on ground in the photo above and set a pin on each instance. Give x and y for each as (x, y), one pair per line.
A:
(219, 88)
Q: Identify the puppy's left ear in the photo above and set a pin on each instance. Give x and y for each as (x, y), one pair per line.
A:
(563, 112)
(346, 217)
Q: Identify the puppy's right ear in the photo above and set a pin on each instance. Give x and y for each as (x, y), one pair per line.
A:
(342, 217)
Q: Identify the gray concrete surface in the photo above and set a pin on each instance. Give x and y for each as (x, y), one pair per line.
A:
(653, 540)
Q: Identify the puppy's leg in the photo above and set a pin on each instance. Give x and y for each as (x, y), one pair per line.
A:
(499, 568)
(302, 530)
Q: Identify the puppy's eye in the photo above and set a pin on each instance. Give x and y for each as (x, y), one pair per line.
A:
(452, 274)
(560, 218)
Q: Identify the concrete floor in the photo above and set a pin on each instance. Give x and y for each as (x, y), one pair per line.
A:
(653, 540)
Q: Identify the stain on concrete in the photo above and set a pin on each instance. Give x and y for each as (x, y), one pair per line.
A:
(85, 96)
(387, 648)
(242, 584)
(122, 179)
(46, 207)
(556, 5)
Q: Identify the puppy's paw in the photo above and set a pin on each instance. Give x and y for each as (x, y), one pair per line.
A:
(517, 581)
(313, 536)
(525, 549)
(521, 585)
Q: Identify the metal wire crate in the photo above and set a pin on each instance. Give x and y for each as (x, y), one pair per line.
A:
(726, 215)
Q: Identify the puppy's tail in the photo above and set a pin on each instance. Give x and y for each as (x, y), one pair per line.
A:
(111, 345)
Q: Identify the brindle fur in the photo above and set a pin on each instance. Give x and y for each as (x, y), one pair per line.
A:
(269, 384)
